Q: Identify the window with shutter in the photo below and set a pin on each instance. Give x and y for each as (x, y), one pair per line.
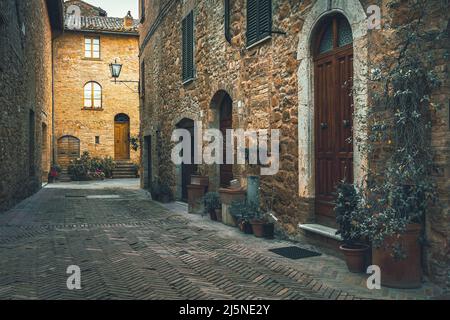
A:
(259, 20)
(188, 47)
(227, 20)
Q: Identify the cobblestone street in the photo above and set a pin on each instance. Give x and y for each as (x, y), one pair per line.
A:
(129, 247)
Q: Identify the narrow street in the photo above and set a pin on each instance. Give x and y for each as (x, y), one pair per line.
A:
(129, 247)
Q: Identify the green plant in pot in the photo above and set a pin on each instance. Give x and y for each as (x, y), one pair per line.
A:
(349, 219)
(166, 194)
(400, 187)
(241, 212)
(212, 205)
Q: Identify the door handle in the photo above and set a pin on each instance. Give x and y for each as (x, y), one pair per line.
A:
(323, 125)
(346, 123)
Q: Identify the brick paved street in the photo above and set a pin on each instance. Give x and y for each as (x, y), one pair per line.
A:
(129, 247)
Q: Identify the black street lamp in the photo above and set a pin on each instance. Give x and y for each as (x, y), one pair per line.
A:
(115, 69)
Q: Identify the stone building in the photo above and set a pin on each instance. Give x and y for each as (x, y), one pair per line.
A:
(26, 32)
(277, 65)
(93, 113)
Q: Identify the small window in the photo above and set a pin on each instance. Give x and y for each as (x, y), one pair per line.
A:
(142, 6)
(259, 20)
(97, 139)
(142, 85)
(92, 48)
(188, 47)
(334, 33)
(92, 95)
(227, 17)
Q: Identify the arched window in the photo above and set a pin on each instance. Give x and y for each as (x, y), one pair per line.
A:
(92, 95)
(335, 33)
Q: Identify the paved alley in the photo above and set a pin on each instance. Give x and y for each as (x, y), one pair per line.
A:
(129, 247)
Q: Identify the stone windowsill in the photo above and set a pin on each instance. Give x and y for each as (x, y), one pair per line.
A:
(258, 42)
(321, 229)
(92, 109)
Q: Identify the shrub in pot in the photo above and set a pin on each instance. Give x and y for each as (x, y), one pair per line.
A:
(241, 212)
(166, 194)
(349, 220)
(211, 204)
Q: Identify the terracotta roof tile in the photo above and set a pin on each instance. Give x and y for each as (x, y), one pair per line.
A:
(105, 24)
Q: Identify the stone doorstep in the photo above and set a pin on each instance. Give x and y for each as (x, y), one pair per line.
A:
(320, 229)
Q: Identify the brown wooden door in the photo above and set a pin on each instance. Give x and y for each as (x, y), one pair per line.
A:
(226, 122)
(122, 140)
(68, 149)
(187, 169)
(333, 72)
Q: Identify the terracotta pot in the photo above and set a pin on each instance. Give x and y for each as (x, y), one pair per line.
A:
(400, 273)
(212, 215)
(258, 228)
(268, 230)
(245, 227)
(355, 257)
(199, 180)
(219, 215)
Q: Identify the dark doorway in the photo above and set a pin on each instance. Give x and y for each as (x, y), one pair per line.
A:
(226, 122)
(333, 73)
(148, 150)
(68, 150)
(187, 169)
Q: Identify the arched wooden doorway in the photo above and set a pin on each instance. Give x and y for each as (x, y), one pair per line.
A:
(333, 103)
(187, 169)
(225, 122)
(122, 137)
(68, 149)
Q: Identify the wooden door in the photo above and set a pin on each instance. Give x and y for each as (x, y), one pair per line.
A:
(68, 150)
(122, 140)
(187, 169)
(226, 122)
(333, 72)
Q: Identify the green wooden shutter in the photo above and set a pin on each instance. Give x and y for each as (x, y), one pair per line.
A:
(264, 18)
(188, 47)
(259, 20)
(227, 20)
(252, 21)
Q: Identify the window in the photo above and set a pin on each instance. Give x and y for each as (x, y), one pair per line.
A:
(335, 32)
(188, 47)
(92, 48)
(97, 139)
(142, 5)
(92, 95)
(259, 20)
(142, 85)
(227, 14)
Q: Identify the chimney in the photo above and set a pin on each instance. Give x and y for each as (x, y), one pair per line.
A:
(128, 21)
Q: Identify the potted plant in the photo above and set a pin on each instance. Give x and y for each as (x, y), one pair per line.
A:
(348, 218)
(257, 219)
(166, 194)
(155, 190)
(211, 203)
(241, 212)
(55, 170)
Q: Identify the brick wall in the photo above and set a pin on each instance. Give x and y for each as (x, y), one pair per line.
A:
(73, 71)
(25, 89)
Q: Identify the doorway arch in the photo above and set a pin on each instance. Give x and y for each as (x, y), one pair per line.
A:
(353, 11)
(187, 169)
(68, 150)
(122, 137)
(333, 111)
(222, 108)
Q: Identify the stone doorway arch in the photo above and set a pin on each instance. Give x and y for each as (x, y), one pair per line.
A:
(353, 11)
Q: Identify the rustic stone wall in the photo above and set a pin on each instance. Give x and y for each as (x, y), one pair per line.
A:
(266, 83)
(25, 88)
(72, 71)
